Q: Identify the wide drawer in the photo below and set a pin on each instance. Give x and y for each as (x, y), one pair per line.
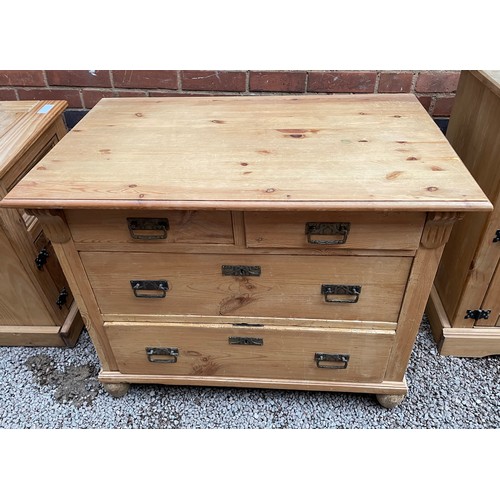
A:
(153, 227)
(266, 352)
(321, 287)
(335, 230)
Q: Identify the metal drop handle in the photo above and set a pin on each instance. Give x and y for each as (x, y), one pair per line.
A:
(327, 229)
(331, 361)
(141, 228)
(171, 352)
(353, 291)
(149, 289)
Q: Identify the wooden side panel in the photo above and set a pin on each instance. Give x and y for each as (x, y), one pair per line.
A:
(288, 287)
(436, 233)
(206, 350)
(56, 229)
(469, 258)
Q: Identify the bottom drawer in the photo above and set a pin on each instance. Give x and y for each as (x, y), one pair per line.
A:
(256, 352)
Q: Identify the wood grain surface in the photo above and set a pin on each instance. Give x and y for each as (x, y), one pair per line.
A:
(288, 287)
(345, 152)
(287, 353)
(21, 124)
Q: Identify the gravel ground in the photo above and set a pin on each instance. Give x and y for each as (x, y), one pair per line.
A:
(51, 388)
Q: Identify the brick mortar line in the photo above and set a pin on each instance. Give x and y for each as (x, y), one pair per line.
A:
(377, 81)
(111, 79)
(306, 82)
(45, 79)
(414, 81)
(432, 105)
(215, 92)
(229, 92)
(179, 80)
(100, 89)
(247, 81)
(436, 94)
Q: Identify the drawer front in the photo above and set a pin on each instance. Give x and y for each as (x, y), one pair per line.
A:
(224, 351)
(334, 230)
(151, 227)
(320, 287)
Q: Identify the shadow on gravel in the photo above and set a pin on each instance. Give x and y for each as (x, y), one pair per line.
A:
(77, 385)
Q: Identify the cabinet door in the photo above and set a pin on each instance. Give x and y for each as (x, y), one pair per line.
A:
(20, 303)
(492, 301)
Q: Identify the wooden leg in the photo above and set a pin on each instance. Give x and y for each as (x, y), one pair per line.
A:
(390, 400)
(116, 390)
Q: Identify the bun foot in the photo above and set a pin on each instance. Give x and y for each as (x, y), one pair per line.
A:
(390, 400)
(117, 390)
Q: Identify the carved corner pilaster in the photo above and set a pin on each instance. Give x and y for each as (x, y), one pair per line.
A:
(438, 228)
(53, 223)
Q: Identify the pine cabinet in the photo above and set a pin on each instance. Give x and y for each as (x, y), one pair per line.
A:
(36, 304)
(464, 307)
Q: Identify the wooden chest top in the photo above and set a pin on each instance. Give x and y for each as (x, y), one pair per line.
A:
(491, 79)
(342, 152)
(21, 123)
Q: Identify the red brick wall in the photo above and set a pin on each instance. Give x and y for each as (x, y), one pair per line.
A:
(83, 89)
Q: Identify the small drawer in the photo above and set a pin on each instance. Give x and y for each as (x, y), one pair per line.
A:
(258, 352)
(283, 286)
(334, 230)
(150, 227)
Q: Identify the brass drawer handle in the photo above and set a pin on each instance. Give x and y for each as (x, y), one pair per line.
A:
(241, 270)
(149, 289)
(149, 225)
(327, 229)
(245, 341)
(172, 352)
(332, 361)
(346, 290)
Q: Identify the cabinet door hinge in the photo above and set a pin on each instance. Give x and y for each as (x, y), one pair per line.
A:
(497, 236)
(62, 298)
(41, 258)
(477, 314)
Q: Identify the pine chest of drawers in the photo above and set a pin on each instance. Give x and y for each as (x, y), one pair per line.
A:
(276, 242)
